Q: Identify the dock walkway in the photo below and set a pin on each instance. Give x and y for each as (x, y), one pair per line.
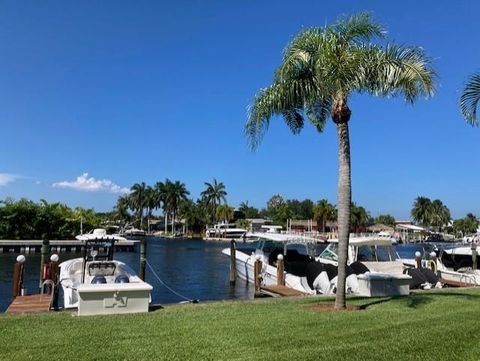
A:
(30, 304)
(35, 245)
(280, 291)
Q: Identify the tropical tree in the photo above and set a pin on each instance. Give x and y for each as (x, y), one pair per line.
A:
(440, 214)
(212, 196)
(359, 219)
(470, 98)
(386, 219)
(138, 197)
(176, 193)
(321, 69)
(422, 211)
(161, 192)
(324, 212)
(225, 212)
(248, 211)
(467, 225)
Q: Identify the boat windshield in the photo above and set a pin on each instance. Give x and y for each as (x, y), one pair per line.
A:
(331, 252)
(376, 253)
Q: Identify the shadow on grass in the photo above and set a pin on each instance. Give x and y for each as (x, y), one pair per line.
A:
(418, 299)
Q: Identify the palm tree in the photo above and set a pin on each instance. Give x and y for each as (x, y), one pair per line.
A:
(138, 197)
(225, 212)
(212, 196)
(470, 98)
(161, 194)
(321, 69)
(422, 211)
(360, 218)
(176, 193)
(324, 212)
(440, 214)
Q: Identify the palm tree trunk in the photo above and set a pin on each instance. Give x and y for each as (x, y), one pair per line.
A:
(344, 201)
(165, 218)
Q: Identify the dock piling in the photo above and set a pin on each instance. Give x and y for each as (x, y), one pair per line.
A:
(418, 259)
(233, 263)
(17, 289)
(280, 270)
(143, 259)
(257, 271)
(474, 255)
(45, 251)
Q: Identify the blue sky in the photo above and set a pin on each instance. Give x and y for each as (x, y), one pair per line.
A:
(139, 91)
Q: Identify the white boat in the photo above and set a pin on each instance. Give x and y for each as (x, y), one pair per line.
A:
(455, 266)
(225, 230)
(312, 274)
(98, 284)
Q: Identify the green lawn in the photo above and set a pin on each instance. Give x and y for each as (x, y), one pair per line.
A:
(425, 326)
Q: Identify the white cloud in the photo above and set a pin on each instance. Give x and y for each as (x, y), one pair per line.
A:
(6, 178)
(85, 183)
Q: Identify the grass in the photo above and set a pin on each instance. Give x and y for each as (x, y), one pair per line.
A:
(425, 326)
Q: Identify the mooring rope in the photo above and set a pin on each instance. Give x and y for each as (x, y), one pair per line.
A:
(167, 286)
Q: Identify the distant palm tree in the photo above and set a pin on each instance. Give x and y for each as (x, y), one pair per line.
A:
(324, 212)
(225, 212)
(470, 98)
(440, 214)
(422, 211)
(360, 218)
(162, 191)
(212, 196)
(176, 193)
(321, 69)
(139, 196)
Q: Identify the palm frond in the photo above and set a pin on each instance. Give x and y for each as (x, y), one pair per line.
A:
(470, 98)
(358, 28)
(285, 98)
(394, 70)
(318, 113)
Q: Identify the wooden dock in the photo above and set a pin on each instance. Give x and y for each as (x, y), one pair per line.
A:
(280, 291)
(58, 246)
(30, 304)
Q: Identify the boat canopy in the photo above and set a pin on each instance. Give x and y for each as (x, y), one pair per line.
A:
(284, 237)
(370, 240)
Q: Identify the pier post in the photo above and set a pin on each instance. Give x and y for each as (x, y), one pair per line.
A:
(143, 258)
(418, 259)
(257, 272)
(54, 277)
(280, 270)
(17, 288)
(474, 256)
(43, 258)
(233, 263)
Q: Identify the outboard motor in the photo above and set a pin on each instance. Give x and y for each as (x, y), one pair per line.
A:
(98, 280)
(122, 279)
(317, 277)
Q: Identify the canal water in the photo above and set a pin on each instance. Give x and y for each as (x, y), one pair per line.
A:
(194, 268)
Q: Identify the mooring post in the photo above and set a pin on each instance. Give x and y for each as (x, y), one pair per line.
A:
(280, 270)
(54, 277)
(257, 272)
(418, 259)
(143, 258)
(233, 263)
(45, 251)
(433, 262)
(474, 256)
(17, 288)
